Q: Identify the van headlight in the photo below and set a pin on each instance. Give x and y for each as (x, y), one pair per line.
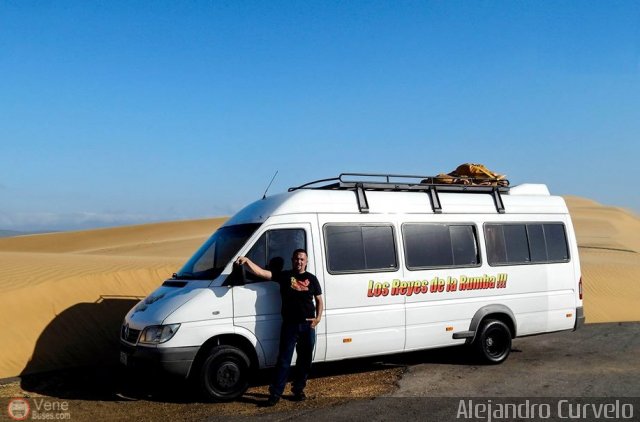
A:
(155, 334)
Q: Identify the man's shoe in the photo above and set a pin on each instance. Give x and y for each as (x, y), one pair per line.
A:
(271, 401)
(301, 396)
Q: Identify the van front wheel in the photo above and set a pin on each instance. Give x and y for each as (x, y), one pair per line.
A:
(224, 375)
(493, 342)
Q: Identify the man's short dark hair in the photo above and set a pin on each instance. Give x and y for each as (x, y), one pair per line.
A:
(297, 251)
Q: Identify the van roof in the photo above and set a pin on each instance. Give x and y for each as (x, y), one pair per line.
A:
(374, 198)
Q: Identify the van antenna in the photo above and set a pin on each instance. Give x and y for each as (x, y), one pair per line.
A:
(272, 179)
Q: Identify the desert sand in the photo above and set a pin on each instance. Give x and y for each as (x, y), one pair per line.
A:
(63, 295)
(609, 243)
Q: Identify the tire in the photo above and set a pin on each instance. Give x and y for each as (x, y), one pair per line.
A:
(493, 342)
(224, 375)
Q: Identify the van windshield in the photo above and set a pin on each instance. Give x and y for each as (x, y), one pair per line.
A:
(209, 261)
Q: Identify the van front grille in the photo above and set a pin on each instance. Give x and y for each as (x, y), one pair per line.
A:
(129, 334)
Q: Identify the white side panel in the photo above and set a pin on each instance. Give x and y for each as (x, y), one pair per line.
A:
(359, 325)
(365, 330)
(257, 310)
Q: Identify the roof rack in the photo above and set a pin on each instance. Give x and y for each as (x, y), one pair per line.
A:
(407, 183)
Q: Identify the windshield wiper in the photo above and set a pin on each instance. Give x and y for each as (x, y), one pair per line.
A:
(209, 274)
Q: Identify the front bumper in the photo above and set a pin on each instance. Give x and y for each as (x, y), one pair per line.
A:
(175, 360)
(580, 318)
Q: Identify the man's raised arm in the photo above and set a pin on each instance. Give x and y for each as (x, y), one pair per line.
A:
(254, 268)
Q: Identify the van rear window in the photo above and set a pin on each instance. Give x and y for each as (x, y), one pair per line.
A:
(526, 243)
(360, 248)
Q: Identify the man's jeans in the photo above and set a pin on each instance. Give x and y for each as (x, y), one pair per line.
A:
(303, 338)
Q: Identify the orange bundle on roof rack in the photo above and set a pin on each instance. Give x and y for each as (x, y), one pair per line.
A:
(470, 174)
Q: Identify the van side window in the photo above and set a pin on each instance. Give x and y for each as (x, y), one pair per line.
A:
(440, 245)
(537, 246)
(360, 248)
(515, 241)
(274, 248)
(526, 243)
(556, 241)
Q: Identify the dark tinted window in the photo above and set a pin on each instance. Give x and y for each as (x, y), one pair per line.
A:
(496, 250)
(345, 249)
(556, 240)
(526, 243)
(274, 249)
(379, 247)
(281, 244)
(515, 240)
(360, 248)
(439, 245)
(427, 245)
(537, 247)
(464, 244)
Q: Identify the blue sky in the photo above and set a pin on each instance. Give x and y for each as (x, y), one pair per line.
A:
(129, 112)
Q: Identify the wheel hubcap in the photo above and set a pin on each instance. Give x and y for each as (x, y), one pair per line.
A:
(228, 375)
(495, 345)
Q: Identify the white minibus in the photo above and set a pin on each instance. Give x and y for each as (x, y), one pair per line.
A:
(404, 263)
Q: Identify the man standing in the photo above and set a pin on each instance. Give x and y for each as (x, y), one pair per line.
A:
(298, 289)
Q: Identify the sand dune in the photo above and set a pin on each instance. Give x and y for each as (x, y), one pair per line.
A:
(609, 242)
(600, 227)
(64, 294)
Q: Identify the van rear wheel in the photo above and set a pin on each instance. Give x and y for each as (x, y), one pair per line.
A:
(224, 375)
(493, 342)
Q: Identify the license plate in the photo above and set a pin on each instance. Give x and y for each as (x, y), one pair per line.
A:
(123, 358)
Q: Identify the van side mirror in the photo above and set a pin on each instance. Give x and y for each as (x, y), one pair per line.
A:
(238, 276)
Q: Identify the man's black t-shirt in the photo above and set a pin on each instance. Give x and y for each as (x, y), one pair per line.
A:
(298, 292)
